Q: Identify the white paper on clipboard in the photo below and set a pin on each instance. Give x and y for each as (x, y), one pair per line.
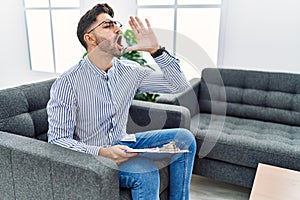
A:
(154, 151)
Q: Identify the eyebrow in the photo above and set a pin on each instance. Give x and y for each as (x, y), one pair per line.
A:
(105, 21)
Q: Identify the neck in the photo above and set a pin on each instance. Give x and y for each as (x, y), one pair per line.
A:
(101, 60)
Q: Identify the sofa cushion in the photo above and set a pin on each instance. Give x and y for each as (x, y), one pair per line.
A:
(247, 142)
(21, 124)
(23, 109)
(14, 116)
(272, 97)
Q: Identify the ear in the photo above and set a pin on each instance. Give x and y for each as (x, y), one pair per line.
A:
(90, 39)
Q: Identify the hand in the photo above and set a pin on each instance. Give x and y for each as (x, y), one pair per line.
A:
(116, 153)
(146, 39)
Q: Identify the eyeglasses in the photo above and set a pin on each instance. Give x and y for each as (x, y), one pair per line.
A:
(107, 24)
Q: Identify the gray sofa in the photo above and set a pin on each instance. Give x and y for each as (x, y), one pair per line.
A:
(241, 118)
(31, 168)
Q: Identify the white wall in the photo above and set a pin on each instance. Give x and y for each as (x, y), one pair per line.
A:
(15, 67)
(261, 34)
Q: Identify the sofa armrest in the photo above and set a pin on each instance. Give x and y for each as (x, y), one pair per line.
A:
(32, 169)
(144, 116)
(189, 98)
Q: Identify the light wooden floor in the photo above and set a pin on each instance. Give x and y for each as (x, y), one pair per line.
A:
(207, 189)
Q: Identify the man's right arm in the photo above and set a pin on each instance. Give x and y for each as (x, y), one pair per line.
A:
(61, 111)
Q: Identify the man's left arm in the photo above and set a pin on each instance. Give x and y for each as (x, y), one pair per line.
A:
(171, 80)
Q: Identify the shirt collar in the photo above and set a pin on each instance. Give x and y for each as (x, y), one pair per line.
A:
(97, 70)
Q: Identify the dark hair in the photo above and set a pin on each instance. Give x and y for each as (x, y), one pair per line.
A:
(89, 18)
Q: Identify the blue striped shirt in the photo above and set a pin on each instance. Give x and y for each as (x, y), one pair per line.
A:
(88, 107)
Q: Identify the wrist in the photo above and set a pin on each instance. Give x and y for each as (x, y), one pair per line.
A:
(154, 50)
(102, 151)
(158, 52)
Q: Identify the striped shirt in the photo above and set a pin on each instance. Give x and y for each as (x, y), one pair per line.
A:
(88, 107)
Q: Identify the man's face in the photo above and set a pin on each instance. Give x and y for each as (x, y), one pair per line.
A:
(107, 35)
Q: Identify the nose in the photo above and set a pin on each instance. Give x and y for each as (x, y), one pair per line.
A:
(117, 29)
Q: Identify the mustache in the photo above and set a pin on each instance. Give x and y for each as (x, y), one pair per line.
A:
(114, 39)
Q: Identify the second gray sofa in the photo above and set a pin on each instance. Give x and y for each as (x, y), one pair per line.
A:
(241, 118)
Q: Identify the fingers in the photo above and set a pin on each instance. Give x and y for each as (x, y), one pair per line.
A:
(133, 25)
(145, 37)
(133, 48)
(124, 154)
(117, 153)
(141, 25)
(137, 25)
(148, 25)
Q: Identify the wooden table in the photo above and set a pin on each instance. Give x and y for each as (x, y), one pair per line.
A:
(275, 183)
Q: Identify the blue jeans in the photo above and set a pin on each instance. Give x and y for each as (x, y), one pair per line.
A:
(141, 175)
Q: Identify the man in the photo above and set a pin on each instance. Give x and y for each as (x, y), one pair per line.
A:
(89, 105)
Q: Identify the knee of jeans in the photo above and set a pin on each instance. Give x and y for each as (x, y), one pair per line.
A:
(186, 134)
(186, 139)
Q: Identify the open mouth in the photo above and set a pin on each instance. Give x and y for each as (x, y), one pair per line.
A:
(119, 42)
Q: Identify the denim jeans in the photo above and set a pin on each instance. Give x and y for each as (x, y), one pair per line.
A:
(141, 175)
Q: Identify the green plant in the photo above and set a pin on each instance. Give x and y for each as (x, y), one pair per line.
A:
(137, 56)
(146, 97)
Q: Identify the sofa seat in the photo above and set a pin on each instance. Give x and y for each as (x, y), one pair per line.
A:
(246, 142)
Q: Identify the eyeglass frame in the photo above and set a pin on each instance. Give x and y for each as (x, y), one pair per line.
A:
(115, 23)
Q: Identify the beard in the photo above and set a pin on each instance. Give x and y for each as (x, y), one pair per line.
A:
(112, 46)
